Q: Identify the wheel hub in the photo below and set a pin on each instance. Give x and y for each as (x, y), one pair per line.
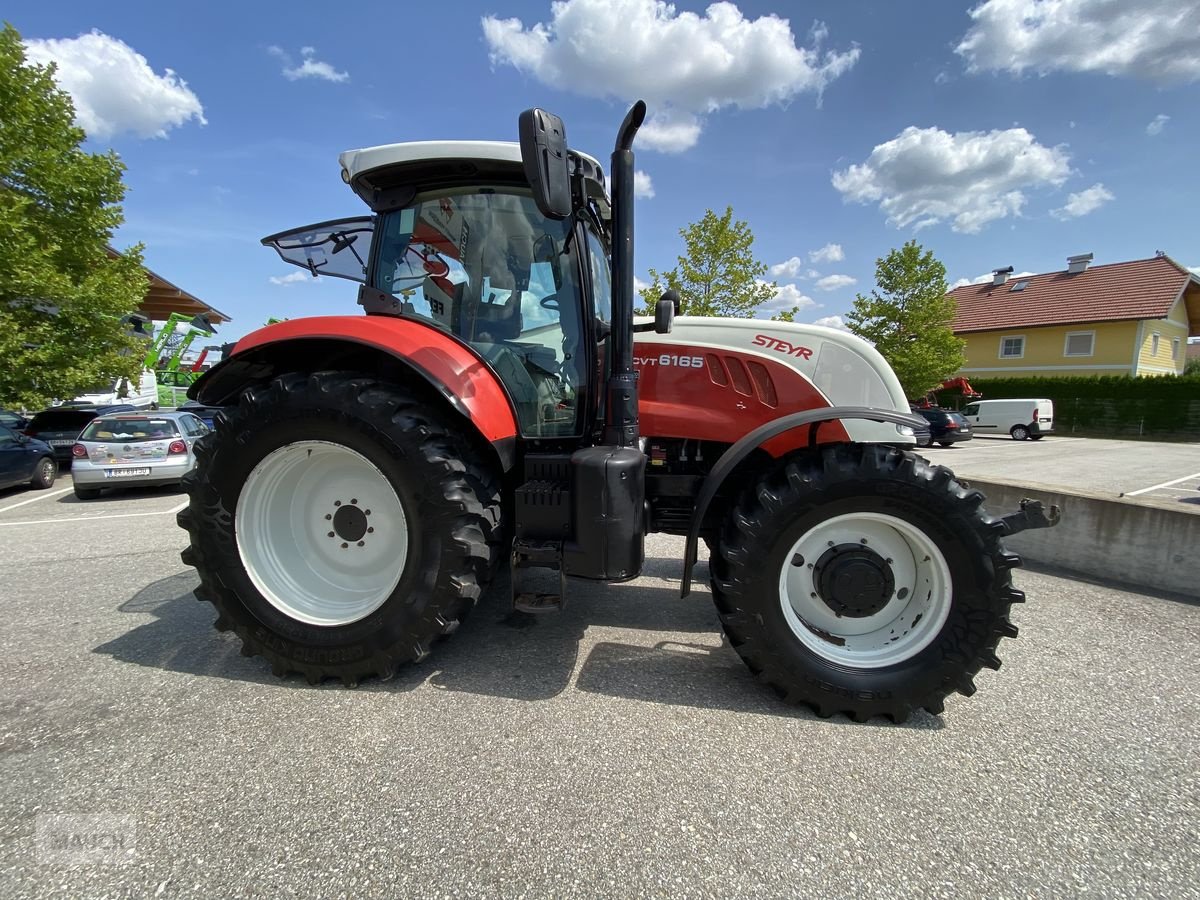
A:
(350, 523)
(853, 580)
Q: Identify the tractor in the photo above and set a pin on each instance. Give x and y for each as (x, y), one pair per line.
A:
(499, 403)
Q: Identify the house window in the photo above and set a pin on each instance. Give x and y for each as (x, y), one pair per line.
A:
(1080, 343)
(1012, 347)
(1175, 349)
(1154, 345)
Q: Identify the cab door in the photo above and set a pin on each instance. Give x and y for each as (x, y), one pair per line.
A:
(340, 248)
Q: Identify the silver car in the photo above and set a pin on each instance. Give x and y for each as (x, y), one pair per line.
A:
(134, 450)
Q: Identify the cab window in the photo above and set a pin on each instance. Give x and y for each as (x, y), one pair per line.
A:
(486, 265)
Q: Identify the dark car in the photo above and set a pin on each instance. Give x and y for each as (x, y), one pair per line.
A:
(200, 410)
(25, 460)
(13, 420)
(60, 426)
(946, 426)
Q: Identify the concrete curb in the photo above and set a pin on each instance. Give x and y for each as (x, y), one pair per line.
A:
(1103, 537)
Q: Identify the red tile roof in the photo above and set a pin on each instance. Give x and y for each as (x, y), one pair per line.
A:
(1141, 289)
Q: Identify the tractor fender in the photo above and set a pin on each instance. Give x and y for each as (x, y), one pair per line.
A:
(752, 441)
(375, 345)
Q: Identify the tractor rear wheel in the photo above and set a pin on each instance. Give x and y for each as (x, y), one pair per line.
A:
(339, 524)
(864, 581)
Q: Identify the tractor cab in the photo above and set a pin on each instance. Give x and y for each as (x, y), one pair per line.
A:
(458, 242)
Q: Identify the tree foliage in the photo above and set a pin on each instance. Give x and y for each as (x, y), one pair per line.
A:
(717, 275)
(908, 318)
(62, 294)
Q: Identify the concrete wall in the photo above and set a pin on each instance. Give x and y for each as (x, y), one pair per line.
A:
(1101, 537)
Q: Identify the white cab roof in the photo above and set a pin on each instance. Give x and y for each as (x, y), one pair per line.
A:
(356, 162)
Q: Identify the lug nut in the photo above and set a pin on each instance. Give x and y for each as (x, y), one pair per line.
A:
(344, 545)
(328, 516)
(370, 530)
(331, 534)
(354, 501)
(337, 502)
(360, 543)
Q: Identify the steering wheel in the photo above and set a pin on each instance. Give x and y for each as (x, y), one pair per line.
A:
(550, 301)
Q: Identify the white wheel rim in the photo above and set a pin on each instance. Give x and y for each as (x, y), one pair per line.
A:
(910, 618)
(294, 499)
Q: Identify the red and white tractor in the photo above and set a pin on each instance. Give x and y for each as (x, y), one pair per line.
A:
(498, 403)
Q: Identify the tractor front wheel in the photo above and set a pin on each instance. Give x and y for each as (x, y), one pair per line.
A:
(864, 581)
(340, 525)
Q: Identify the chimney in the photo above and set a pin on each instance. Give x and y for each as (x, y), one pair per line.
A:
(1077, 264)
(1000, 276)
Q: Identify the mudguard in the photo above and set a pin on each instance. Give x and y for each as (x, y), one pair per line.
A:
(451, 366)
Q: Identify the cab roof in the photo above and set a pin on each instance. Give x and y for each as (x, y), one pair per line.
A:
(385, 176)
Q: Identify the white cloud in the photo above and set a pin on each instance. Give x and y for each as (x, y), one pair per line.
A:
(832, 322)
(787, 297)
(683, 64)
(669, 132)
(1084, 202)
(924, 176)
(1155, 128)
(639, 285)
(787, 269)
(643, 187)
(1152, 39)
(113, 87)
(833, 282)
(291, 278)
(828, 253)
(987, 277)
(310, 66)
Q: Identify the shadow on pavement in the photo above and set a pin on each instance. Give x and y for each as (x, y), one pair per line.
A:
(501, 653)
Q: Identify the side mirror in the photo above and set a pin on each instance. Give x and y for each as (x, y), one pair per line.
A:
(544, 156)
(664, 312)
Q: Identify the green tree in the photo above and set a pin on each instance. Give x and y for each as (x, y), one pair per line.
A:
(717, 275)
(908, 318)
(62, 294)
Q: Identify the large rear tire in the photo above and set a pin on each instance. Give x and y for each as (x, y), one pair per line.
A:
(864, 581)
(340, 525)
(1019, 432)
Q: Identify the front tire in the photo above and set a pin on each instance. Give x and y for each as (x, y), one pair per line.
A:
(340, 525)
(864, 581)
(1019, 433)
(44, 474)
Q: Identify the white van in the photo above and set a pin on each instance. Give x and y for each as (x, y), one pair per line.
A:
(143, 395)
(1032, 419)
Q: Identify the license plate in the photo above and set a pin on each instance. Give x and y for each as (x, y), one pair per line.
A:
(125, 473)
(60, 442)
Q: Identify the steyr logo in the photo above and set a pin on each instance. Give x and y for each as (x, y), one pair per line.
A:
(762, 340)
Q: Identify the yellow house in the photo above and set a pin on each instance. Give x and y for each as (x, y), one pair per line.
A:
(1122, 318)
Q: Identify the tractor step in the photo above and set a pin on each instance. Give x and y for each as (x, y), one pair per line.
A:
(528, 555)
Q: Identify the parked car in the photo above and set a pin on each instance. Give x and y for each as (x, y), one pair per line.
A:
(60, 426)
(946, 426)
(13, 420)
(25, 460)
(142, 395)
(134, 450)
(196, 408)
(1022, 419)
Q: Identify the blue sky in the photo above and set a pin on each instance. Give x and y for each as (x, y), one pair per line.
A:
(1005, 132)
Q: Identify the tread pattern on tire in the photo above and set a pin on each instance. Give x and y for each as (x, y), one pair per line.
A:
(466, 509)
(972, 633)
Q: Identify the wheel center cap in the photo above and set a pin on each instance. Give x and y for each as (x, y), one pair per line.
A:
(350, 523)
(853, 580)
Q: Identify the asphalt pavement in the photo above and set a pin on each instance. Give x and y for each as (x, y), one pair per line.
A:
(616, 749)
(1157, 473)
